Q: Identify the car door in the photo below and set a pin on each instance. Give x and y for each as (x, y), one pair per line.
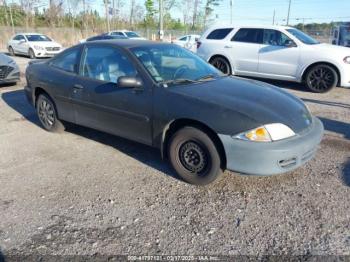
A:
(23, 45)
(101, 104)
(15, 43)
(245, 45)
(60, 79)
(278, 55)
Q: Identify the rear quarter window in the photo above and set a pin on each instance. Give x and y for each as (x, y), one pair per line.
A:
(219, 34)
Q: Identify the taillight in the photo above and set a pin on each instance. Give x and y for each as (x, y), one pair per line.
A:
(198, 44)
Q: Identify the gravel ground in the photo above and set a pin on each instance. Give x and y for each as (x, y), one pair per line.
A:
(84, 192)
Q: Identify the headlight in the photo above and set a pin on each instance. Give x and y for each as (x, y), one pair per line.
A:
(38, 47)
(347, 59)
(267, 133)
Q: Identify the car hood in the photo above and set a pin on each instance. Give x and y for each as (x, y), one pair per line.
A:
(5, 60)
(46, 43)
(256, 100)
(327, 48)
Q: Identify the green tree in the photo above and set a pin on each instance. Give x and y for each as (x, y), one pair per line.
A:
(150, 13)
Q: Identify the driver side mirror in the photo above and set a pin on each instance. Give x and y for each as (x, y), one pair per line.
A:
(289, 43)
(22, 41)
(129, 82)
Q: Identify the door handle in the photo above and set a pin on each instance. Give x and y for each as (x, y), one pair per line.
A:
(76, 86)
(228, 46)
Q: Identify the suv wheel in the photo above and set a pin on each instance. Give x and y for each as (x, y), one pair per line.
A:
(47, 114)
(321, 78)
(222, 64)
(194, 156)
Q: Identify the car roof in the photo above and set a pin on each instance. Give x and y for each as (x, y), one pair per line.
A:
(29, 34)
(250, 26)
(129, 43)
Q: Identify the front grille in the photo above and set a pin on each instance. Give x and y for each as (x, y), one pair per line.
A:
(52, 48)
(5, 71)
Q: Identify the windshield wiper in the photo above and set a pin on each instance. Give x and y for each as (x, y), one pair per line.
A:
(179, 81)
(206, 77)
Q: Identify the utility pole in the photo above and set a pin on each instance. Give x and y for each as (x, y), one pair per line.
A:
(161, 10)
(273, 17)
(290, 2)
(231, 11)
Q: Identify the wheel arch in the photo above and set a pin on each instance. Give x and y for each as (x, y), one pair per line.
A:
(38, 91)
(307, 68)
(173, 126)
(224, 57)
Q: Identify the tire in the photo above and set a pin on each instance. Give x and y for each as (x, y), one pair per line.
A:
(222, 64)
(11, 51)
(47, 113)
(321, 78)
(194, 156)
(31, 54)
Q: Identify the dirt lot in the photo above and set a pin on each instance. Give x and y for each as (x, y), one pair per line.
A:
(84, 192)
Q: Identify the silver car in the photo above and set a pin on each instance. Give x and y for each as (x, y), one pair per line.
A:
(9, 70)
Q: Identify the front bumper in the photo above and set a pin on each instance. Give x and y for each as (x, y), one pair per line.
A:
(263, 159)
(45, 53)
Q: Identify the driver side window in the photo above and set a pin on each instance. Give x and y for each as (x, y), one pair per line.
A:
(105, 64)
(275, 38)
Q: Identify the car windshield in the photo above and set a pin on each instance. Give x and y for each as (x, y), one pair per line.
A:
(306, 39)
(38, 38)
(172, 65)
(131, 34)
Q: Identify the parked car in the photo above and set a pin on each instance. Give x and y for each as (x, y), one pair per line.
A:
(187, 41)
(9, 70)
(128, 34)
(33, 45)
(165, 96)
(105, 37)
(276, 52)
(341, 35)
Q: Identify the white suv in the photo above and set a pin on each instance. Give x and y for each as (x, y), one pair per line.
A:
(34, 45)
(276, 52)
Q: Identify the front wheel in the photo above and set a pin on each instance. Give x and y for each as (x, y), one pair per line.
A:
(222, 64)
(47, 114)
(11, 51)
(194, 156)
(31, 54)
(321, 78)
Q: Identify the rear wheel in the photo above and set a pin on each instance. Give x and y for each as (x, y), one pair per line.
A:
(11, 51)
(47, 114)
(222, 64)
(321, 78)
(194, 156)
(31, 54)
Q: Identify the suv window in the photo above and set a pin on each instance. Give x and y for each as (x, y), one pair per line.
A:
(67, 61)
(105, 63)
(183, 38)
(219, 34)
(275, 37)
(248, 35)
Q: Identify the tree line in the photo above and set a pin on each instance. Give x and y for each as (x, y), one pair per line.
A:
(131, 14)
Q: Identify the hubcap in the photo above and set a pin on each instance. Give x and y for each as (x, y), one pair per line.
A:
(46, 113)
(321, 78)
(193, 157)
(221, 65)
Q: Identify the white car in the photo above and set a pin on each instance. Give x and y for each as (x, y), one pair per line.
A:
(34, 45)
(187, 41)
(128, 34)
(276, 52)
